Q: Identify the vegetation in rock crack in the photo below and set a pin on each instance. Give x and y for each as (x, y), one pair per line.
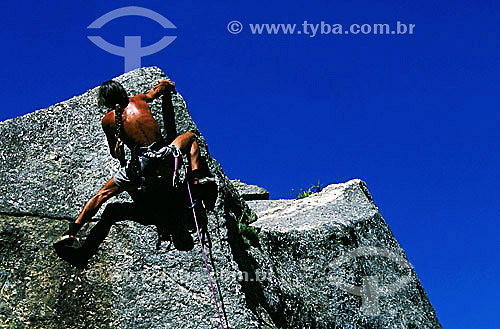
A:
(304, 194)
(248, 233)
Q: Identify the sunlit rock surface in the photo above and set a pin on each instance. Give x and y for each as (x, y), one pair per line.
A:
(326, 261)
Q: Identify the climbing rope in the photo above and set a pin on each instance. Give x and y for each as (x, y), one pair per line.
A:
(203, 253)
(176, 167)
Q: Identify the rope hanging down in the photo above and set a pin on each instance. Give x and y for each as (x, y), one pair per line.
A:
(171, 132)
(176, 157)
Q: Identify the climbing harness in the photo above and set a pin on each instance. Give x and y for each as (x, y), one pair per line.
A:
(149, 164)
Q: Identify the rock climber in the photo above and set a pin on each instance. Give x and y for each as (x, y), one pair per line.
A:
(147, 176)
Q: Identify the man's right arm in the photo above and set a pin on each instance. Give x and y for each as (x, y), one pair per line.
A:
(164, 88)
(160, 89)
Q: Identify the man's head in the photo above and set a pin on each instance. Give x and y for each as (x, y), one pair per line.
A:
(112, 93)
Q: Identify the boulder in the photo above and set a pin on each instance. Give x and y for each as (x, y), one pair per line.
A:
(250, 192)
(331, 261)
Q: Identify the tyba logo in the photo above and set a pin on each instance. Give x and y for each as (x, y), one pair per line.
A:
(370, 290)
(132, 50)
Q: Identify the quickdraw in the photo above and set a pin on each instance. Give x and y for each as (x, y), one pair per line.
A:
(177, 154)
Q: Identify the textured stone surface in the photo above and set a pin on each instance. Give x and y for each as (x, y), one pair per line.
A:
(127, 285)
(309, 269)
(250, 192)
(52, 161)
(286, 276)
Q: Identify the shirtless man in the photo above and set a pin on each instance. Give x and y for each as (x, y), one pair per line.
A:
(131, 123)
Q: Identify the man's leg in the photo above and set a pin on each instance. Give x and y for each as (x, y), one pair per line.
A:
(109, 190)
(204, 184)
(188, 145)
(65, 247)
(113, 213)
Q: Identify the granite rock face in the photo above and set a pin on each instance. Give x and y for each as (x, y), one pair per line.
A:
(52, 161)
(331, 261)
(327, 261)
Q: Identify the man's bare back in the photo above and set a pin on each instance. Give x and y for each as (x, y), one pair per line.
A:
(139, 126)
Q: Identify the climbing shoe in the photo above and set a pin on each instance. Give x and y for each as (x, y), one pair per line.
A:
(69, 238)
(69, 241)
(182, 240)
(205, 188)
(71, 255)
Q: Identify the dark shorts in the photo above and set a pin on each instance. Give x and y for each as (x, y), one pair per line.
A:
(153, 166)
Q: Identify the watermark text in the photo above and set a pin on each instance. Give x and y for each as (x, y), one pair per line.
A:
(322, 28)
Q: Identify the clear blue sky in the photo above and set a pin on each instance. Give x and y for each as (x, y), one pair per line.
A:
(415, 116)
